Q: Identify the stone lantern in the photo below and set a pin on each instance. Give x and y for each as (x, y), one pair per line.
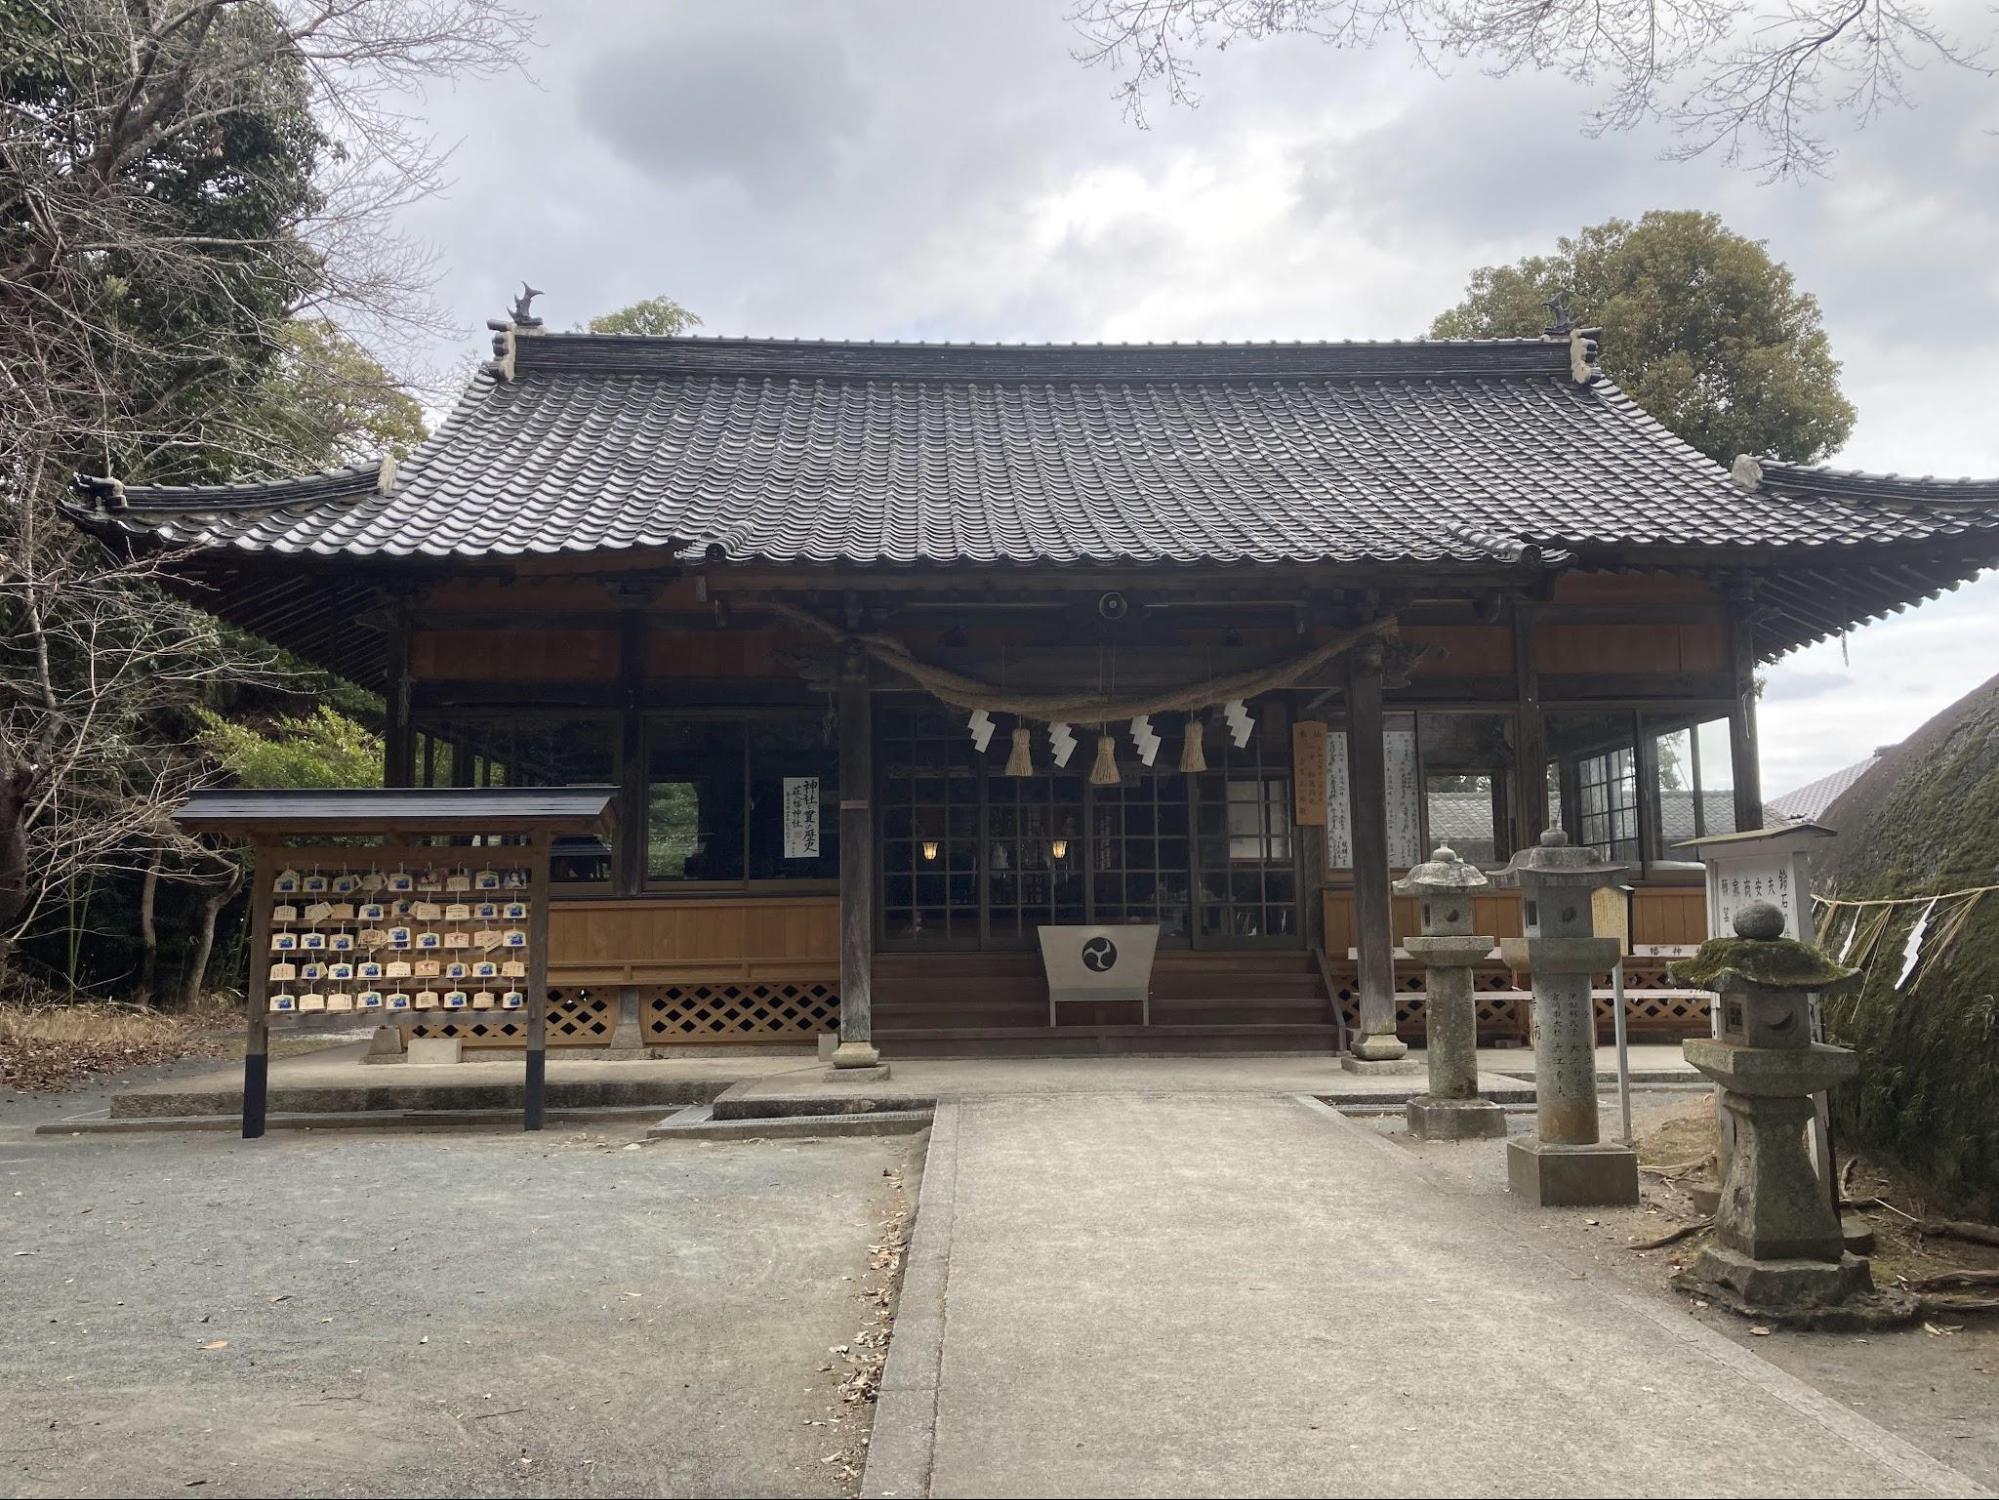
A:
(1452, 1109)
(1781, 1253)
(1567, 1162)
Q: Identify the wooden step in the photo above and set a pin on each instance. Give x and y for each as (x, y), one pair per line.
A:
(1098, 1041)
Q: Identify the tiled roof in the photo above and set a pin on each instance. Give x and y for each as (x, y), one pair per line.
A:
(798, 452)
(1808, 802)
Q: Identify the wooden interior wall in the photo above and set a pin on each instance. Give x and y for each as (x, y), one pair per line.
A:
(652, 940)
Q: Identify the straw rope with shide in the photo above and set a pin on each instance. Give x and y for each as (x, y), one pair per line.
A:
(961, 691)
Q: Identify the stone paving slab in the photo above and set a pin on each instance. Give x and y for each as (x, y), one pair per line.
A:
(1240, 1295)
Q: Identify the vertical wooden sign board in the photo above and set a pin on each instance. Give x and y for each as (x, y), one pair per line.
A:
(1308, 773)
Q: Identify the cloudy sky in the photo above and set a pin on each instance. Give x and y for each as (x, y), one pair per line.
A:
(917, 169)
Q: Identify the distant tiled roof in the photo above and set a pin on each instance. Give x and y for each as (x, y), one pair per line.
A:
(1853, 484)
(1809, 802)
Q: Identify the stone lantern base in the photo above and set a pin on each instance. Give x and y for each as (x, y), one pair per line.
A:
(1434, 1119)
(1555, 1176)
(1801, 1293)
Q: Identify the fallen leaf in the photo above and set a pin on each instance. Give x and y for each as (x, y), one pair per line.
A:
(214, 1344)
(1761, 1333)
(281, 1297)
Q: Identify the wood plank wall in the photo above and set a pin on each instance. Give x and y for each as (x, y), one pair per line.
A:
(658, 939)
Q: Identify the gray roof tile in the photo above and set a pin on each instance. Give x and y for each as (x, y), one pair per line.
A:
(788, 452)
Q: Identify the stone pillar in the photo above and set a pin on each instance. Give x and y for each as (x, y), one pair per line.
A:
(1374, 1047)
(1780, 1251)
(1567, 1162)
(856, 1058)
(1452, 1109)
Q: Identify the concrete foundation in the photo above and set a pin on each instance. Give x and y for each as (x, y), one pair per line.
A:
(434, 1049)
(1556, 1176)
(1802, 1293)
(1352, 1064)
(848, 1073)
(1434, 1119)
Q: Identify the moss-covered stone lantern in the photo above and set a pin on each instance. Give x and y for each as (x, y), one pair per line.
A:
(1779, 1252)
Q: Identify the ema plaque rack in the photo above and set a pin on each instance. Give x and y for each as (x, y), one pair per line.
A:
(436, 900)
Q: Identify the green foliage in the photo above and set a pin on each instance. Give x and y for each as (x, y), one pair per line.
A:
(319, 750)
(1701, 328)
(323, 401)
(1926, 821)
(658, 317)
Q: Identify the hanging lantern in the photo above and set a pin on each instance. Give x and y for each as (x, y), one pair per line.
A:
(1021, 761)
(930, 848)
(1104, 772)
(1193, 759)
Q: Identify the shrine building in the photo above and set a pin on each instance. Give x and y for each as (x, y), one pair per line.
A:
(897, 654)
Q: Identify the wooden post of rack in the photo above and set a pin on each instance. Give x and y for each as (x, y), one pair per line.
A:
(537, 1038)
(257, 1033)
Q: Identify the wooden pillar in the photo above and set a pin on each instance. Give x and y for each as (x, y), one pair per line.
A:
(537, 1038)
(257, 1036)
(398, 741)
(1531, 776)
(628, 855)
(1742, 717)
(1367, 778)
(857, 865)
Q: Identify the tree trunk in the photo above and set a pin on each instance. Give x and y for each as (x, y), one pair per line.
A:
(14, 789)
(204, 940)
(149, 933)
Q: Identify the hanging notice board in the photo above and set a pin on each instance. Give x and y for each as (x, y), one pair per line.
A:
(434, 900)
(1403, 785)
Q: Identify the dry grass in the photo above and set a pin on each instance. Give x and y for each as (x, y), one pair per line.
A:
(53, 1046)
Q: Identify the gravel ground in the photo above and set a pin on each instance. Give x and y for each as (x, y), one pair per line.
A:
(429, 1314)
(1935, 1389)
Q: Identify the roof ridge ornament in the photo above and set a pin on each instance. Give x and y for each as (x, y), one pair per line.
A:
(106, 492)
(1746, 471)
(1584, 345)
(523, 312)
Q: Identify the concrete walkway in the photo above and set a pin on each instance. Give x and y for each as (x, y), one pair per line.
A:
(1124, 1293)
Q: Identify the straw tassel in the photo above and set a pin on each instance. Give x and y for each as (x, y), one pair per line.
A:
(1104, 772)
(1192, 757)
(1021, 761)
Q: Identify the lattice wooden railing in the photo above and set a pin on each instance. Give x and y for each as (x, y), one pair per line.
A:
(674, 1015)
(576, 1018)
(1654, 1006)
